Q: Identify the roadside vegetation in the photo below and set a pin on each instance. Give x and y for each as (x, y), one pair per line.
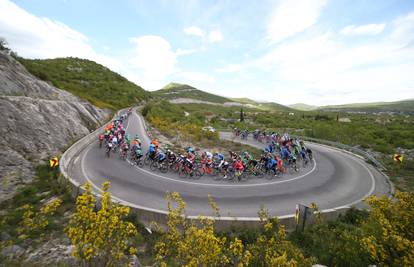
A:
(88, 80)
(104, 233)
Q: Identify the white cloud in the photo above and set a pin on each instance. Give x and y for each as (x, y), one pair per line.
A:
(215, 36)
(194, 30)
(184, 52)
(36, 37)
(368, 29)
(154, 59)
(403, 28)
(148, 65)
(291, 17)
(325, 69)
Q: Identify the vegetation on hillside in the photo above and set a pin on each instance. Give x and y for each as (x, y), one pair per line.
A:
(88, 80)
(403, 106)
(177, 90)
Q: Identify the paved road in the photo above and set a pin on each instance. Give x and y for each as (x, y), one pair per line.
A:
(335, 179)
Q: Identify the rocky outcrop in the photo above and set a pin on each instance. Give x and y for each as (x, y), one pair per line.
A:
(37, 121)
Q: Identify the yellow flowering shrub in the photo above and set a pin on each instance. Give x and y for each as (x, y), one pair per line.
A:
(195, 243)
(35, 221)
(389, 230)
(101, 236)
(271, 247)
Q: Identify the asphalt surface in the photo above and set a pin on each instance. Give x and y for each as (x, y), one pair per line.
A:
(335, 179)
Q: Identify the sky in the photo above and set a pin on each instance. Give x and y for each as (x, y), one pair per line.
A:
(318, 52)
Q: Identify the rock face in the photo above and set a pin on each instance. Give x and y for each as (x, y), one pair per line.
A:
(37, 121)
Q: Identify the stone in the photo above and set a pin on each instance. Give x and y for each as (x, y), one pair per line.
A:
(12, 251)
(44, 120)
(4, 236)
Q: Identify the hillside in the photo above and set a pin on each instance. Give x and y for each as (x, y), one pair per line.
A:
(176, 90)
(184, 94)
(88, 80)
(405, 106)
(303, 107)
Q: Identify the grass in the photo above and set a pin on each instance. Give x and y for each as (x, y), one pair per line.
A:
(44, 186)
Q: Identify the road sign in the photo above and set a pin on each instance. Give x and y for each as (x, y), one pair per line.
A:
(398, 158)
(54, 162)
(304, 215)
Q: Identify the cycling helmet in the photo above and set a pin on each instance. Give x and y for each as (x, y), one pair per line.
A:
(190, 150)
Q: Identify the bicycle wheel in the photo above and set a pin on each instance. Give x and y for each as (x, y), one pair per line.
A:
(258, 173)
(176, 166)
(153, 166)
(182, 172)
(147, 160)
(163, 167)
(140, 163)
(196, 175)
(201, 169)
(243, 177)
(270, 174)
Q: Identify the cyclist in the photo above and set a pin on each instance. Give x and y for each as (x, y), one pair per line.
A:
(233, 155)
(136, 142)
(124, 148)
(108, 149)
(101, 138)
(271, 163)
(221, 163)
(152, 151)
(171, 157)
(303, 155)
(190, 157)
(292, 159)
(279, 165)
(114, 142)
(246, 158)
(309, 151)
(155, 143)
(161, 156)
(138, 153)
(238, 167)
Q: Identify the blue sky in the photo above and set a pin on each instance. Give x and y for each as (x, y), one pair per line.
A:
(311, 51)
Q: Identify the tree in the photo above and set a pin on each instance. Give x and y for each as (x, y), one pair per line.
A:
(101, 236)
(3, 45)
(241, 115)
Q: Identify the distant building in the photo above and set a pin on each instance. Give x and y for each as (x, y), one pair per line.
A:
(344, 120)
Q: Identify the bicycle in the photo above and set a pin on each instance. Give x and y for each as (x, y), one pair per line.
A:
(123, 154)
(186, 171)
(160, 165)
(148, 159)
